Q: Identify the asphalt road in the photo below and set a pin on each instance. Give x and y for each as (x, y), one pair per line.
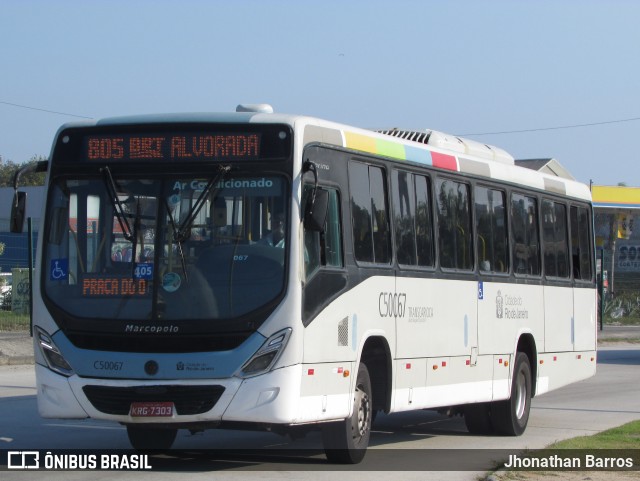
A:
(609, 399)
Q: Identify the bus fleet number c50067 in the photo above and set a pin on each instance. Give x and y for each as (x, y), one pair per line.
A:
(392, 304)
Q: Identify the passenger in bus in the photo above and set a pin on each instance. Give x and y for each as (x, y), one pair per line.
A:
(275, 237)
(218, 222)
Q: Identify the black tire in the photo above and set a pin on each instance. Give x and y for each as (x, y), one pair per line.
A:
(374, 416)
(477, 417)
(346, 442)
(510, 417)
(144, 438)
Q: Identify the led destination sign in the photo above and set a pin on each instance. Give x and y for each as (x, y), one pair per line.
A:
(182, 147)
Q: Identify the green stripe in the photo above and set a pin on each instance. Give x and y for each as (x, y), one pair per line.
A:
(390, 149)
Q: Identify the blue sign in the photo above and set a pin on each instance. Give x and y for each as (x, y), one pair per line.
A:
(143, 271)
(480, 290)
(59, 270)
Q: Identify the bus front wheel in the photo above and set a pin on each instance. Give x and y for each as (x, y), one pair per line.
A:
(145, 438)
(346, 442)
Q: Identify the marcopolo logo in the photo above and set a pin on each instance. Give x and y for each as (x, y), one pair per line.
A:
(142, 329)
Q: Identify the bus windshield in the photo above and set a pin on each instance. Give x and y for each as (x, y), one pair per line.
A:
(158, 248)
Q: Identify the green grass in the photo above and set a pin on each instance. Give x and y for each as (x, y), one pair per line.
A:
(626, 436)
(10, 321)
(608, 443)
(620, 340)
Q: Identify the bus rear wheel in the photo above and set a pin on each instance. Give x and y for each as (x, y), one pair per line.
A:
(346, 442)
(477, 417)
(144, 438)
(510, 417)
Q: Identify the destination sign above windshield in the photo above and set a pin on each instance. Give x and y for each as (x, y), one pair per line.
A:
(170, 147)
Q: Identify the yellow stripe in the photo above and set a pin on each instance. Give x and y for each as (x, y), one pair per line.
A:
(615, 195)
(360, 142)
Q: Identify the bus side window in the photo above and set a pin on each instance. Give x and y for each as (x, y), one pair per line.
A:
(580, 244)
(404, 217)
(412, 219)
(361, 211)
(424, 222)
(324, 248)
(554, 237)
(491, 227)
(454, 224)
(524, 226)
(381, 230)
(370, 215)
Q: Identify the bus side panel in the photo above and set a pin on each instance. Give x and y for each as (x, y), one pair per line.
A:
(410, 384)
(556, 370)
(437, 345)
(336, 333)
(584, 319)
(325, 391)
(558, 316)
(439, 318)
(504, 311)
(333, 345)
(451, 381)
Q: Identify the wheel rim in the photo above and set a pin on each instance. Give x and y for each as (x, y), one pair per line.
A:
(363, 412)
(521, 395)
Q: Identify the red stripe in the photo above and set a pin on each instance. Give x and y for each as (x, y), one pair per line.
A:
(444, 161)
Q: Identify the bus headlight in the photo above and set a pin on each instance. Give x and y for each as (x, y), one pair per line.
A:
(52, 354)
(265, 357)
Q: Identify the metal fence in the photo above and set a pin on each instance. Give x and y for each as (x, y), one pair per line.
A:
(621, 273)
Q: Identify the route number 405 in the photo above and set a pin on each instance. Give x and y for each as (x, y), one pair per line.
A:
(143, 271)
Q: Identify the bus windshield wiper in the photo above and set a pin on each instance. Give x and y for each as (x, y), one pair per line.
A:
(136, 231)
(184, 230)
(118, 208)
(177, 240)
(181, 233)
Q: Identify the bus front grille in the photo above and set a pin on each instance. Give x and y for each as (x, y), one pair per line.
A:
(157, 344)
(186, 399)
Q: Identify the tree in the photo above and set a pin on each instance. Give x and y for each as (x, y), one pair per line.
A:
(9, 168)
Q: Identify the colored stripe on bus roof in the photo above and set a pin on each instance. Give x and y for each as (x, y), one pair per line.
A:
(396, 150)
(444, 161)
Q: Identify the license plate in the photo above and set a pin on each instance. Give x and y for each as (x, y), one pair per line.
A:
(151, 409)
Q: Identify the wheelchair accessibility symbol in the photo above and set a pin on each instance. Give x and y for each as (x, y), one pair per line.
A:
(59, 270)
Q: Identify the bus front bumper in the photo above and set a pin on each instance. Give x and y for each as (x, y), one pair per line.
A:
(272, 398)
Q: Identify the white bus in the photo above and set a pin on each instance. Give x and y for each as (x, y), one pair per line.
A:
(267, 271)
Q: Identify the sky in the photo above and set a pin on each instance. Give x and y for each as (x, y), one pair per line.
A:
(525, 76)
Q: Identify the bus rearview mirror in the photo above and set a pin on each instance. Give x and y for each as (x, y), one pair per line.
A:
(18, 210)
